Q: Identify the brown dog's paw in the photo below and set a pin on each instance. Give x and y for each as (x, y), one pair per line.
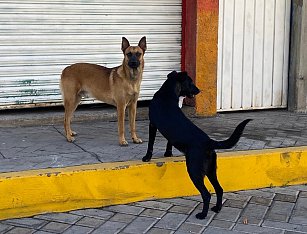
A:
(70, 139)
(73, 133)
(137, 140)
(123, 143)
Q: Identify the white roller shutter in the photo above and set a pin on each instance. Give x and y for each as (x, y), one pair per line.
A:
(39, 38)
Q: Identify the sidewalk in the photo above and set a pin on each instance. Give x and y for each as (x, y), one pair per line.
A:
(269, 210)
(35, 141)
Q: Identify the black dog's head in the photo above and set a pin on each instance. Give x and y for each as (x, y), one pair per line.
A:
(184, 84)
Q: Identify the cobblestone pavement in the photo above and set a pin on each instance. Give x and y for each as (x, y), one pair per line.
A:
(269, 210)
(44, 145)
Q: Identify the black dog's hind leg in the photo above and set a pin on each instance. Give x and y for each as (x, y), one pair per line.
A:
(151, 141)
(168, 151)
(216, 185)
(198, 181)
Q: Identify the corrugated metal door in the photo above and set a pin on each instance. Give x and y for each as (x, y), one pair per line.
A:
(253, 54)
(39, 38)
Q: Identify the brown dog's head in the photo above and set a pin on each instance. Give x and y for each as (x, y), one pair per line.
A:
(134, 54)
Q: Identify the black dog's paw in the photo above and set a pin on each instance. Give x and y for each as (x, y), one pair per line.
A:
(147, 157)
(201, 216)
(168, 154)
(216, 209)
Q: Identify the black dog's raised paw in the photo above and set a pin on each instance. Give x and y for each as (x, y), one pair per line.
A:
(201, 216)
(216, 209)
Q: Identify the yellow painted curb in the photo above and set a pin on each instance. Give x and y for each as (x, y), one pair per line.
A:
(53, 190)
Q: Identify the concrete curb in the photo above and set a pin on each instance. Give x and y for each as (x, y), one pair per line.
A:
(28, 193)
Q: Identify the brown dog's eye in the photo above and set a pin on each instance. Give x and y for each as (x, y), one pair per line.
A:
(129, 54)
(138, 54)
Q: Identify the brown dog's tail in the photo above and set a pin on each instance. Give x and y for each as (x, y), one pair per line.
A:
(233, 139)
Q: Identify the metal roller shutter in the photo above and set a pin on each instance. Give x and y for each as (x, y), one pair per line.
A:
(39, 38)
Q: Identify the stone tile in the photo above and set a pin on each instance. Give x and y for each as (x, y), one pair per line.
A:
(235, 203)
(190, 228)
(221, 224)
(90, 222)
(55, 227)
(284, 197)
(299, 217)
(159, 231)
(4, 227)
(280, 211)
(94, 213)
(255, 211)
(154, 205)
(261, 201)
(213, 230)
(258, 193)
(125, 209)
(109, 228)
(229, 214)
(171, 221)
(26, 222)
(250, 220)
(140, 225)
(181, 202)
(153, 213)
(203, 222)
(181, 209)
(78, 230)
(285, 226)
(20, 230)
(256, 229)
(59, 217)
(123, 218)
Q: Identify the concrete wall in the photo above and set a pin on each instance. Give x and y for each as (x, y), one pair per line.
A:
(298, 58)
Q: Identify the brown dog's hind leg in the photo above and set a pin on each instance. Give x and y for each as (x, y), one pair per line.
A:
(70, 106)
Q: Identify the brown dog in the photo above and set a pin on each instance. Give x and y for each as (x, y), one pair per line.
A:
(118, 86)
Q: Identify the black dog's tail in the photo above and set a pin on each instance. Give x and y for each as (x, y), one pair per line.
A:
(233, 139)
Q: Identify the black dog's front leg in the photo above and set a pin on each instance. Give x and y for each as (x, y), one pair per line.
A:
(168, 151)
(151, 141)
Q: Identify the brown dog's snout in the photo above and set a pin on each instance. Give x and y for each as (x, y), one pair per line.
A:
(133, 62)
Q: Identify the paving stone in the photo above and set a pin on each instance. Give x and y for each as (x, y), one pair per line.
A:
(190, 228)
(213, 230)
(90, 222)
(159, 231)
(229, 214)
(256, 229)
(55, 227)
(123, 218)
(261, 201)
(299, 217)
(171, 221)
(254, 211)
(78, 230)
(140, 225)
(21, 230)
(109, 228)
(181, 209)
(4, 227)
(153, 213)
(258, 193)
(285, 197)
(221, 224)
(235, 203)
(154, 205)
(27, 222)
(94, 213)
(285, 226)
(250, 220)
(59, 217)
(181, 202)
(125, 209)
(203, 222)
(280, 211)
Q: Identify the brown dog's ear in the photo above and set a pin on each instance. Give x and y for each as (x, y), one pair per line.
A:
(142, 44)
(172, 74)
(125, 44)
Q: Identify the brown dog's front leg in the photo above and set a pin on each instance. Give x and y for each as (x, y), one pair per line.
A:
(121, 124)
(132, 118)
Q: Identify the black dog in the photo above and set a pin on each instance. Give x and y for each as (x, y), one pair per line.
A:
(199, 149)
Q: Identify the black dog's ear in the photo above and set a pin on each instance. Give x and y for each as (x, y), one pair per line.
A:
(182, 75)
(142, 44)
(125, 44)
(172, 74)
